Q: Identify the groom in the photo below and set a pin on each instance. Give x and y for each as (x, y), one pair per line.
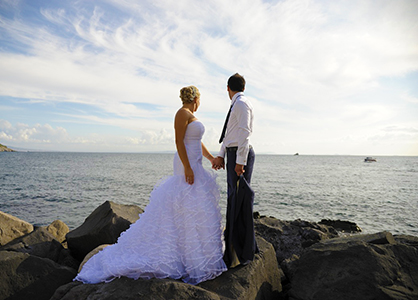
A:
(235, 145)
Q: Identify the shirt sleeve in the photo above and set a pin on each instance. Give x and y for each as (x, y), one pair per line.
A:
(222, 151)
(244, 132)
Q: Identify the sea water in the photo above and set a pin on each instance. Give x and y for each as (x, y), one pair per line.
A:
(40, 187)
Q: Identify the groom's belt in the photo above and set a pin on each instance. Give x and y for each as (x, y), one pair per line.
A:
(235, 148)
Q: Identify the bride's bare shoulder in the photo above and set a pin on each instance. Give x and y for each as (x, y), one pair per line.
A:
(183, 114)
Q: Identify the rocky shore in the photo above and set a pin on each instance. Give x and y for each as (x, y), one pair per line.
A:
(3, 148)
(298, 260)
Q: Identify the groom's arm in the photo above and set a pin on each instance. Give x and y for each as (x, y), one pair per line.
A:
(243, 113)
(219, 161)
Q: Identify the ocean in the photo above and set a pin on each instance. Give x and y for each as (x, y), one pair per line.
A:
(40, 187)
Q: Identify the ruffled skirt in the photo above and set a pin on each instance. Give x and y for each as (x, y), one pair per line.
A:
(178, 236)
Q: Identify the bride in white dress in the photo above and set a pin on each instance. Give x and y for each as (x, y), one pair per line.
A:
(179, 235)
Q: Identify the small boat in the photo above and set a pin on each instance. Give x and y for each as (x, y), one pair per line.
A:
(369, 159)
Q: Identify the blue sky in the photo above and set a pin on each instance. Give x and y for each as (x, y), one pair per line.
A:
(325, 77)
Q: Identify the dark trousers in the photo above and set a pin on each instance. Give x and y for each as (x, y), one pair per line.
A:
(231, 175)
(239, 232)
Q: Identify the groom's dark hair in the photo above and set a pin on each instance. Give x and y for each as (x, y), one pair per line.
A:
(236, 83)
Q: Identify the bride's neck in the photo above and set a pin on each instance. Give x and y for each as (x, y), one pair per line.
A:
(189, 107)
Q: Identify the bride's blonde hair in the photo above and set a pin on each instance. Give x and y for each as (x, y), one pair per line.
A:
(189, 93)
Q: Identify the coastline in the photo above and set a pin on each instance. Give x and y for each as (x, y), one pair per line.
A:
(4, 148)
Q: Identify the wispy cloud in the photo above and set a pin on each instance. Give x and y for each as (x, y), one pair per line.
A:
(45, 134)
(36, 134)
(307, 63)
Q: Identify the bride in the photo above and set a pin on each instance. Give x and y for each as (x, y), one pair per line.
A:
(179, 235)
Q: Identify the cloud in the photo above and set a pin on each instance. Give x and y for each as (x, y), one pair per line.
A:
(406, 96)
(296, 43)
(32, 134)
(406, 130)
(307, 63)
(24, 135)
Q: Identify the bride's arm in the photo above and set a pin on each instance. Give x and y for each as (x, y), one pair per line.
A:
(206, 153)
(181, 121)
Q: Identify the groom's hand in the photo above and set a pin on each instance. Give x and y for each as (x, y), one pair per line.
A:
(239, 169)
(218, 163)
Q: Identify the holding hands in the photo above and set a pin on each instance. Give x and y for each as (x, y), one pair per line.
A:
(218, 163)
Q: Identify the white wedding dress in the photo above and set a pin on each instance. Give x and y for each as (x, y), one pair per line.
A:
(178, 236)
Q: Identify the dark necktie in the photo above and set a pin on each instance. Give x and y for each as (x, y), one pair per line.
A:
(226, 123)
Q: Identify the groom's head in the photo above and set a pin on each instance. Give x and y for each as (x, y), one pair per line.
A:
(236, 83)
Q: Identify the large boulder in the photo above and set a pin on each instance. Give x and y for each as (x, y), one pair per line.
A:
(24, 276)
(38, 243)
(129, 289)
(372, 266)
(290, 238)
(58, 229)
(42, 243)
(12, 227)
(91, 254)
(259, 279)
(102, 226)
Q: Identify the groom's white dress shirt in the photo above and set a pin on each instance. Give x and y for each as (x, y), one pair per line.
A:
(239, 128)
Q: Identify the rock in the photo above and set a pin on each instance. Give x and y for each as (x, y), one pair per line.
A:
(343, 226)
(256, 215)
(66, 259)
(103, 226)
(129, 289)
(259, 279)
(90, 254)
(58, 229)
(38, 243)
(383, 237)
(407, 240)
(42, 244)
(12, 227)
(289, 238)
(356, 267)
(23, 276)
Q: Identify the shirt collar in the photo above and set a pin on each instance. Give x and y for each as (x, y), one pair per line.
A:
(234, 98)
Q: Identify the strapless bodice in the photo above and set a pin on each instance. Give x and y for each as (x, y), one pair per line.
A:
(194, 131)
(193, 143)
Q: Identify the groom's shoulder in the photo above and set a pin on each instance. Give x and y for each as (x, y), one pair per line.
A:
(243, 101)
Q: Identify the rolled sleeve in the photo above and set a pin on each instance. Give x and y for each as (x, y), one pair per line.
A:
(222, 151)
(243, 148)
(244, 132)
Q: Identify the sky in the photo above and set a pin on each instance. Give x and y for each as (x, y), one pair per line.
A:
(324, 77)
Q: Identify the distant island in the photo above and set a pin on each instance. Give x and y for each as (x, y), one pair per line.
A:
(3, 148)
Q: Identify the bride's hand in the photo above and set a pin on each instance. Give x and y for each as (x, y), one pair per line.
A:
(189, 175)
(218, 163)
